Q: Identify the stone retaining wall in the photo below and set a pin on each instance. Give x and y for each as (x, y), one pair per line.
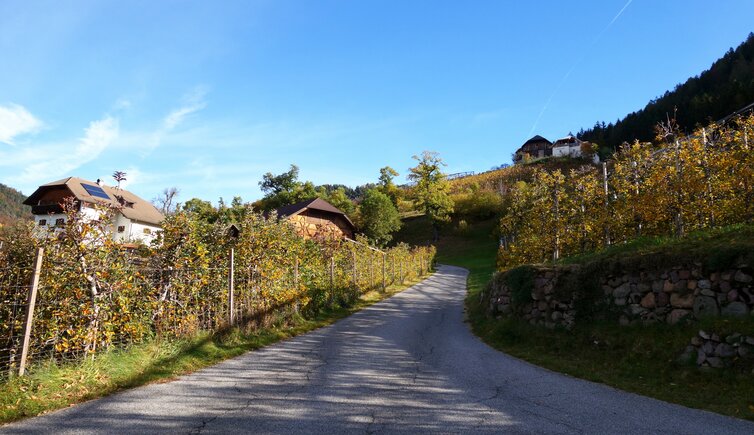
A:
(711, 350)
(670, 295)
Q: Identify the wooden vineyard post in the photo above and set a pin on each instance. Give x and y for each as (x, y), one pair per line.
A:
(332, 272)
(30, 303)
(355, 278)
(295, 273)
(392, 264)
(401, 270)
(371, 274)
(231, 287)
(384, 286)
(607, 202)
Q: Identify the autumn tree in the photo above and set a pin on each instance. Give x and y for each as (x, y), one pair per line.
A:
(386, 185)
(431, 191)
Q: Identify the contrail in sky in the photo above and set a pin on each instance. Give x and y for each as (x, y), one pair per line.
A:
(568, 73)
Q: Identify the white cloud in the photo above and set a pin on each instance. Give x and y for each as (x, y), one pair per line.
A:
(15, 120)
(60, 160)
(193, 102)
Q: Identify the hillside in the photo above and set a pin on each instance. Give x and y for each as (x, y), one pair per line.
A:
(11, 206)
(714, 94)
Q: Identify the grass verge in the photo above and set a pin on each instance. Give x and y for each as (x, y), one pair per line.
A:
(53, 386)
(640, 359)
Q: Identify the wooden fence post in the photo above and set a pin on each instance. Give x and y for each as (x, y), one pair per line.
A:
(400, 265)
(371, 274)
(295, 272)
(392, 266)
(231, 287)
(384, 286)
(30, 303)
(332, 272)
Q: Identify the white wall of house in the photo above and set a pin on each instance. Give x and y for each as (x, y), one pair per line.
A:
(48, 220)
(567, 151)
(131, 231)
(140, 231)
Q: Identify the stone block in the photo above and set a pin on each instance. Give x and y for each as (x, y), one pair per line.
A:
(677, 315)
(724, 350)
(705, 306)
(622, 291)
(668, 286)
(704, 283)
(715, 362)
(648, 301)
(684, 274)
(735, 309)
(691, 284)
(743, 277)
(662, 299)
(732, 296)
(682, 301)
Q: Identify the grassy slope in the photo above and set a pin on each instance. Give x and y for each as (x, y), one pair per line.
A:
(50, 387)
(474, 249)
(640, 359)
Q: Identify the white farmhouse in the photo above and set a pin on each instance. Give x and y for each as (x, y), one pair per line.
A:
(135, 219)
(570, 146)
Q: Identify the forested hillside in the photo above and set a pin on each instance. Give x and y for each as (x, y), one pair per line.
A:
(11, 206)
(723, 89)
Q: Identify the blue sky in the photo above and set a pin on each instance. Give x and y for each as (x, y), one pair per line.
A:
(208, 96)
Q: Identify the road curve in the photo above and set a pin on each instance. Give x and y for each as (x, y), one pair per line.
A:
(405, 365)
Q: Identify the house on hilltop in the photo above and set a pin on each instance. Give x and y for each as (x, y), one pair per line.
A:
(135, 219)
(571, 146)
(317, 218)
(536, 148)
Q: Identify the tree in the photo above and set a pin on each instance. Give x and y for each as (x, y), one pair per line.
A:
(284, 189)
(201, 209)
(432, 189)
(379, 217)
(166, 201)
(279, 184)
(386, 184)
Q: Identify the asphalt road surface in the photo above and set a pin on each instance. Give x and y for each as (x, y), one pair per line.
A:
(405, 365)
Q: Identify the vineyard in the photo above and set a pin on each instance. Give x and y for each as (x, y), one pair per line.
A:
(681, 185)
(93, 294)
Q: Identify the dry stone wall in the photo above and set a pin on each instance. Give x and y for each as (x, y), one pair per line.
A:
(559, 296)
(712, 350)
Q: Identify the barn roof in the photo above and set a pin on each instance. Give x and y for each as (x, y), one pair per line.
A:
(311, 204)
(130, 205)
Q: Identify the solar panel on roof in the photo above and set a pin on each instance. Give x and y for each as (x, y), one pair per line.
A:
(95, 191)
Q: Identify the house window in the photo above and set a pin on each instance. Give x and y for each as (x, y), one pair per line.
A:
(121, 228)
(42, 222)
(59, 222)
(147, 231)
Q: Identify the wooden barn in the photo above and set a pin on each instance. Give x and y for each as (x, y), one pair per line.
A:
(536, 148)
(318, 218)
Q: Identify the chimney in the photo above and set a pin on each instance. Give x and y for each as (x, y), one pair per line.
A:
(99, 182)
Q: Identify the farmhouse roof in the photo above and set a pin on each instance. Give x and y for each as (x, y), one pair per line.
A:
(129, 204)
(310, 204)
(568, 139)
(537, 138)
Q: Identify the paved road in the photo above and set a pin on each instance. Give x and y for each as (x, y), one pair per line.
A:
(406, 365)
